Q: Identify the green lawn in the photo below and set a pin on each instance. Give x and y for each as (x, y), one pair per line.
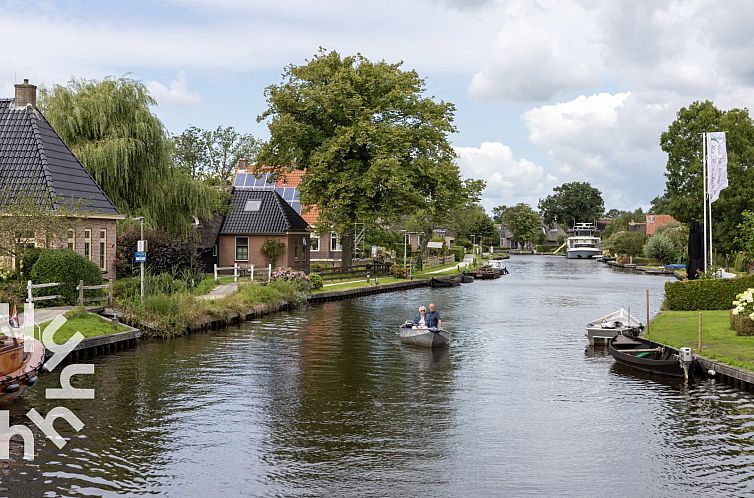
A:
(719, 341)
(89, 324)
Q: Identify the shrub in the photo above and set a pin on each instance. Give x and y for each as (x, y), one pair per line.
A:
(742, 314)
(66, 267)
(398, 272)
(167, 253)
(316, 281)
(661, 247)
(30, 257)
(273, 249)
(298, 278)
(13, 293)
(459, 252)
(712, 294)
(625, 243)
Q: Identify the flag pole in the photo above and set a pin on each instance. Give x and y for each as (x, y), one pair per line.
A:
(704, 183)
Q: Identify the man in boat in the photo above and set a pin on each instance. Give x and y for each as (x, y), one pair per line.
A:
(434, 317)
(421, 320)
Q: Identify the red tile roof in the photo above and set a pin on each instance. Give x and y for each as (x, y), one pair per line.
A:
(655, 221)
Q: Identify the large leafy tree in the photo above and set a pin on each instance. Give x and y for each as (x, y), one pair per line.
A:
(373, 146)
(212, 154)
(574, 202)
(684, 189)
(523, 222)
(472, 223)
(109, 126)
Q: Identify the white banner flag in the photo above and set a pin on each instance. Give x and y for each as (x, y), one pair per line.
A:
(717, 164)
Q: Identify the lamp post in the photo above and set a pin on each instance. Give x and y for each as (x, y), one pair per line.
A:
(140, 219)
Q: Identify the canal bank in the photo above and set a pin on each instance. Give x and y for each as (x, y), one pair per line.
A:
(325, 400)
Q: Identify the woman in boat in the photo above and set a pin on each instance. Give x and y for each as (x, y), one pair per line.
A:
(421, 320)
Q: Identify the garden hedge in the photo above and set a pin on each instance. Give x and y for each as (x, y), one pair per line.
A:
(712, 294)
(66, 267)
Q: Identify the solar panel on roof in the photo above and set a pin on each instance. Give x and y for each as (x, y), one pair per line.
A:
(296, 206)
(240, 179)
(280, 191)
(288, 194)
(296, 194)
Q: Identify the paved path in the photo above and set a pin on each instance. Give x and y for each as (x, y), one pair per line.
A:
(221, 290)
(452, 268)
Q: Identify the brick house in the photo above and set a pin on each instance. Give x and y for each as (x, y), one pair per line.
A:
(324, 246)
(655, 221)
(35, 162)
(256, 216)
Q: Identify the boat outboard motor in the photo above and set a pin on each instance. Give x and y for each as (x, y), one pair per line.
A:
(685, 358)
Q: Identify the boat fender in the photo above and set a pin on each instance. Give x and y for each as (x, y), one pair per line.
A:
(711, 373)
(44, 369)
(11, 388)
(31, 380)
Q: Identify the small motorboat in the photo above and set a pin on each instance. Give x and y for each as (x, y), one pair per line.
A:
(19, 369)
(608, 326)
(499, 265)
(648, 356)
(423, 336)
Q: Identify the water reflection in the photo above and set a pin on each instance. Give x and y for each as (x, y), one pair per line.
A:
(326, 401)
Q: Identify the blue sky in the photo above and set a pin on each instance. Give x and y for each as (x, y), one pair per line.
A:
(547, 91)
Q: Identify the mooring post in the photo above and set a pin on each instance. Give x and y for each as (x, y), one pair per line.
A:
(699, 334)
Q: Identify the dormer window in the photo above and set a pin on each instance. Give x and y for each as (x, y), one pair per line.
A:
(252, 205)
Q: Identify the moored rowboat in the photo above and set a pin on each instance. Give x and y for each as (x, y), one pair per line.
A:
(643, 354)
(424, 337)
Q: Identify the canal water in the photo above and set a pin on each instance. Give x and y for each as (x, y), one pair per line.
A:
(324, 401)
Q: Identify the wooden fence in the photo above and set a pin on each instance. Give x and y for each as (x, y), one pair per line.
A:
(354, 271)
(30, 291)
(84, 300)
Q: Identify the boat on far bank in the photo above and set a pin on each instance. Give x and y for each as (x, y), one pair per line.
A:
(583, 244)
(423, 336)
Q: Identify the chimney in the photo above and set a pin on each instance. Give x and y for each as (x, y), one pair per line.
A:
(243, 164)
(26, 94)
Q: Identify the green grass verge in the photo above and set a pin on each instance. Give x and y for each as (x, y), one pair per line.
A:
(719, 341)
(89, 324)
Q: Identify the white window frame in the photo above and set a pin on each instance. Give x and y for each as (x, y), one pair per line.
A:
(247, 248)
(334, 237)
(103, 249)
(88, 244)
(314, 242)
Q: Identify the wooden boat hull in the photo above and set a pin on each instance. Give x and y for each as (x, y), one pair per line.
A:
(425, 338)
(663, 361)
(14, 383)
(444, 282)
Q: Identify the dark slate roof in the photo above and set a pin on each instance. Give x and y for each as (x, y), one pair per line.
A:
(274, 216)
(35, 161)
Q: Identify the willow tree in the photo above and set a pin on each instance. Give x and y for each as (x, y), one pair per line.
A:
(373, 146)
(109, 126)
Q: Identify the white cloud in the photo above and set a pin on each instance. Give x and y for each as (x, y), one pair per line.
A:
(541, 50)
(176, 93)
(509, 180)
(608, 140)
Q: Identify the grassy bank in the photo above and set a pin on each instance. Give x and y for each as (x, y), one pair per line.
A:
(171, 314)
(719, 341)
(89, 324)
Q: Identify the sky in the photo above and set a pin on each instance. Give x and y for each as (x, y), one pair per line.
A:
(547, 92)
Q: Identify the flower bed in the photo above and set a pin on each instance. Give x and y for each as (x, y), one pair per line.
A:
(742, 314)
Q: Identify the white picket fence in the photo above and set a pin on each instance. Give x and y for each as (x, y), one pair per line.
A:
(254, 273)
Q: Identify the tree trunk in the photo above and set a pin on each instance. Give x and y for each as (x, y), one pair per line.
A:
(347, 254)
